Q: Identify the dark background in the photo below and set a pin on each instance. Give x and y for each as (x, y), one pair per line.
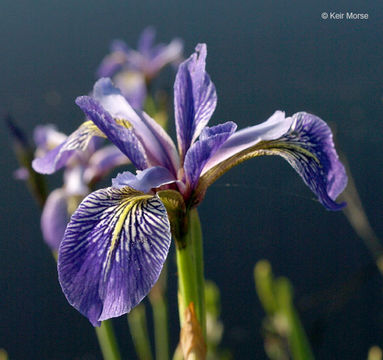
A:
(261, 57)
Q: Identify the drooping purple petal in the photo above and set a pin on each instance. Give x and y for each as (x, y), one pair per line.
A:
(56, 158)
(195, 98)
(122, 137)
(324, 174)
(306, 144)
(271, 129)
(53, 160)
(55, 218)
(159, 148)
(113, 251)
(144, 180)
(103, 161)
(210, 140)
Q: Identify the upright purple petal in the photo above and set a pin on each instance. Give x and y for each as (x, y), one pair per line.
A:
(112, 252)
(146, 41)
(115, 61)
(195, 99)
(58, 157)
(120, 136)
(145, 180)
(159, 148)
(55, 218)
(210, 140)
(119, 45)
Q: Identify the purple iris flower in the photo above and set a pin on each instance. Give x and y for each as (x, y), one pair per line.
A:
(132, 70)
(82, 169)
(118, 239)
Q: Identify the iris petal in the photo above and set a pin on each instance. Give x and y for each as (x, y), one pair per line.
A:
(145, 180)
(209, 142)
(159, 148)
(121, 136)
(113, 251)
(308, 147)
(55, 159)
(55, 218)
(195, 98)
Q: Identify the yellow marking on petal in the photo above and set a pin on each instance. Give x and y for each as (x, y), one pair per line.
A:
(93, 129)
(124, 123)
(126, 206)
(278, 147)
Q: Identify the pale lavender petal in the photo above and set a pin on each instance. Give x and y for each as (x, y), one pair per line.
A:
(115, 61)
(195, 98)
(133, 87)
(144, 180)
(171, 53)
(120, 136)
(102, 162)
(112, 252)
(159, 148)
(46, 137)
(55, 218)
(210, 140)
(273, 128)
(58, 157)
(74, 180)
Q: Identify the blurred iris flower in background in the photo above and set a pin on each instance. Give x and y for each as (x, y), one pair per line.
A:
(133, 70)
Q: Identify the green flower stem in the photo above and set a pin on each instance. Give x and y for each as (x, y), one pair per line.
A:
(191, 284)
(139, 332)
(161, 337)
(107, 341)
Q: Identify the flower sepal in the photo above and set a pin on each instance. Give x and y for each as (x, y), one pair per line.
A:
(176, 208)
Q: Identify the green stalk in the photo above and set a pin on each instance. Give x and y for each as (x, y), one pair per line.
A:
(160, 318)
(139, 332)
(197, 243)
(189, 253)
(157, 300)
(107, 341)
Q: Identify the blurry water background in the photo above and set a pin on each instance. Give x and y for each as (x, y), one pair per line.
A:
(262, 56)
